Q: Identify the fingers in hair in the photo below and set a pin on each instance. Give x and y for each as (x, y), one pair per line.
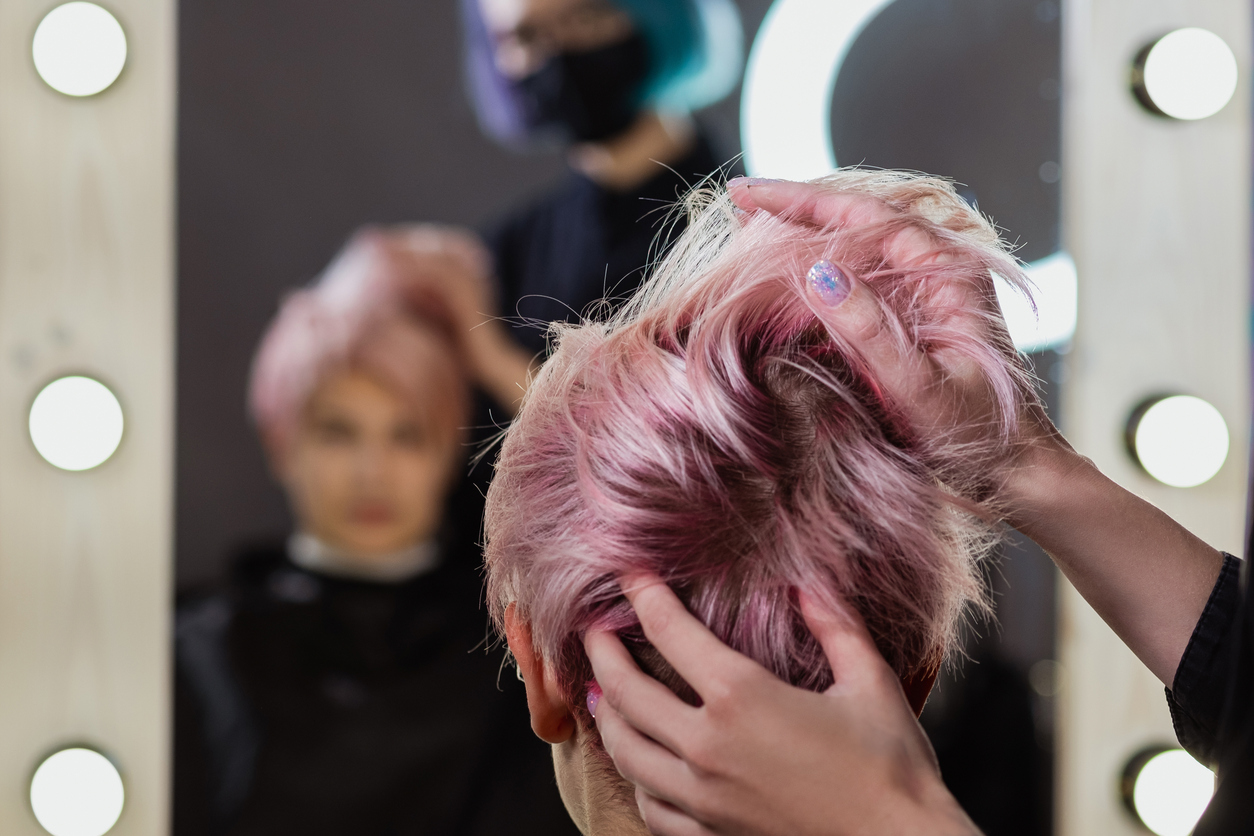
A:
(852, 653)
(692, 650)
(646, 704)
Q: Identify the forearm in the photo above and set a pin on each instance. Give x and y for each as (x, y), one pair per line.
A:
(1144, 573)
(502, 368)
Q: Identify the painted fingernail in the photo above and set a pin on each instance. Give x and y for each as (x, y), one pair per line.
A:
(829, 282)
(750, 181)
(594, 698)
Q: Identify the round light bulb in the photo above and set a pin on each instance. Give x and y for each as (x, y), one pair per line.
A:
(1180, 440)
(1186, 74)
(79, 49)
(77, 792)
(1167, 790)
(76, 423)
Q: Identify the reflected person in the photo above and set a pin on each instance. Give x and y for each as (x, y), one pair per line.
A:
(614, 83)
(338, 683)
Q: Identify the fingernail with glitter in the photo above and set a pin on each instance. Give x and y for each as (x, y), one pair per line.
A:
(829, 282)
(594, 698)
(749, 182)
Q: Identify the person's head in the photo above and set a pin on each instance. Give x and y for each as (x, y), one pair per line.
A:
(723, 433)
(361, 402)
(583, 70)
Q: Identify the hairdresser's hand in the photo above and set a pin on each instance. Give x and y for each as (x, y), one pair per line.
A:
(760, 757)
(1145, 575)
(939, 392)
(452, 270)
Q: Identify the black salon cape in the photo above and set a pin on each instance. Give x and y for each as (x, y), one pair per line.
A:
(319, 706)
(559, 256)
(1212, 700)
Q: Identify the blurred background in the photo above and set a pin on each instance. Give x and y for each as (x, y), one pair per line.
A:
(247, 143)
(299, 122)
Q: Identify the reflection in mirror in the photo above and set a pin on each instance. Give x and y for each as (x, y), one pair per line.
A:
(328, 533)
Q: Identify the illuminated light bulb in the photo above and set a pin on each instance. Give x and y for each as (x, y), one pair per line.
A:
(77, 792)
(1186, 74)
(1167, 790)
(1055, 290)
(79, 49)
(1179, 440)
(76, 423)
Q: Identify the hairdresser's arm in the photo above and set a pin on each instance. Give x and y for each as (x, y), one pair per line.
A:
(1146, 575)
(452, 269)
(760, 757)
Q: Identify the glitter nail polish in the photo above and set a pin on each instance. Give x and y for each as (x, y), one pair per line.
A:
(594, 698)
(828, 282)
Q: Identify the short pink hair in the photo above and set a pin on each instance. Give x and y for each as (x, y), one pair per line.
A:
(360, 315)
(722, 432)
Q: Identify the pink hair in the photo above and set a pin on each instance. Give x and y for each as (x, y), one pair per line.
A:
(360, 315)
(722, 432)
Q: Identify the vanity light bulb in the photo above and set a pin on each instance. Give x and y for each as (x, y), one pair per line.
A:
(1167, 790)
(1187, 74)
(77, 792)
(79, 49)
(76, 423)
(1179, 440)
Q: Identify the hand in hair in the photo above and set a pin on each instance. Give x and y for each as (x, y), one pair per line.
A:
(1146, 575)
(451, 270)
(938, 390)
(760, 757)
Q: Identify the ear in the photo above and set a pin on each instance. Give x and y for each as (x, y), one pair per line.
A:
(551, 720)
(918, 687)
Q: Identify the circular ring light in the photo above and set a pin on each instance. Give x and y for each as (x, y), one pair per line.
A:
(79, 49)
(1166, 790)
(1186, 74)
(76, 423)
(77, 792)
(1179, 440)
(786, 132)
(789, 81)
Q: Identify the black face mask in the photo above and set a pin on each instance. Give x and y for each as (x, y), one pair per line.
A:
(587, 96)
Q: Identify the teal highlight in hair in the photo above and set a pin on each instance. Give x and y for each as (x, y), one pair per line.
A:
(696, 50)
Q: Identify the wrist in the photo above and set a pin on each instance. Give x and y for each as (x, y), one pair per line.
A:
(1039, 478)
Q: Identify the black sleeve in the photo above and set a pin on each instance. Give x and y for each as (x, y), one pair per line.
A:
(1196, 697)
(1231, 811)
(216, 740)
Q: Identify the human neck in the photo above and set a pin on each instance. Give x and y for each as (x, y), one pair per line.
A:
(315, 555)
(590, 793)
(633, 157)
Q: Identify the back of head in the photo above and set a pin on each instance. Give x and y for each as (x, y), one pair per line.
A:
(723, 432)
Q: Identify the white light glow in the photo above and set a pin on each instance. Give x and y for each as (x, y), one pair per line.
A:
(1181, 441)
(76, 423)
(77, 792)
(1056, 294)
(787, 100)
(1190, 74)
(1171, 792)
(79, 49)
